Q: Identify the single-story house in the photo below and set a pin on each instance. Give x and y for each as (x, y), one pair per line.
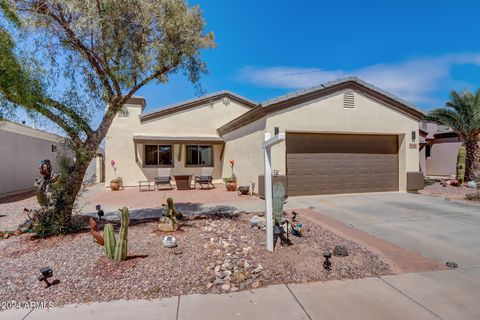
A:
(22, 148)
(439, 147)
(344, 136)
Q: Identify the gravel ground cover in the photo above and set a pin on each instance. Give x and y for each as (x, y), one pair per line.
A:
(214, 255)
(448, 192)
(11, 209)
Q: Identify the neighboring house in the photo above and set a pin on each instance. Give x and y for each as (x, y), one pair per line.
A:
(438, 149)
(344, 136)
(21, 149)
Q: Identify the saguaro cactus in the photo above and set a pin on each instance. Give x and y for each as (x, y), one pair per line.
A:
(121, 247)
(461, 158)
(109, 240)
(278, 198)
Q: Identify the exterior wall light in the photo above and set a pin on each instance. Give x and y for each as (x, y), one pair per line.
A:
(100, 212)
(47, 272)
(327, 264)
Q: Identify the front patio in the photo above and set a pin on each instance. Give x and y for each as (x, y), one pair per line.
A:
(148, 203)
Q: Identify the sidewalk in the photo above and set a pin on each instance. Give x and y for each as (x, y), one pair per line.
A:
(445, 295)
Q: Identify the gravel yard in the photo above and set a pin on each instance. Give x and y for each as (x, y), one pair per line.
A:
(213, 255)
(447, 192)
(11, 209)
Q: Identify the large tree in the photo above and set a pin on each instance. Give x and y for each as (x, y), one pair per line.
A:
(462, 114)
(65, 60)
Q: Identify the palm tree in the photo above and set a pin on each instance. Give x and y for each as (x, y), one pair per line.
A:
(462, 114)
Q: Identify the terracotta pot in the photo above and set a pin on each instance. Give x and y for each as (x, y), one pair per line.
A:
(114, 185)
(231, 186)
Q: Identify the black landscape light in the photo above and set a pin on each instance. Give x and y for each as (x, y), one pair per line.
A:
(100, 212)
(327, 264)
(47, 272)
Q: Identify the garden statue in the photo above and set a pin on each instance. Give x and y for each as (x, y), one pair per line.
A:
(45, 170)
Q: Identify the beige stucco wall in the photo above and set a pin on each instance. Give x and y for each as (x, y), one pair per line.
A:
(327, 115)
(245, 146)
(21, 149)
(443, 159)
(202, 120)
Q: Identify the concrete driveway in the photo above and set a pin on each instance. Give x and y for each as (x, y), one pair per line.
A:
(433, 227)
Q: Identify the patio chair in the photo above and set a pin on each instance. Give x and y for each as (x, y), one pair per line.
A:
(205, 180)
(163, 181)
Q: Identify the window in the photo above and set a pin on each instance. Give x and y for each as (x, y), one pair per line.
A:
(199, 156)
(158, 155)
(54, 148)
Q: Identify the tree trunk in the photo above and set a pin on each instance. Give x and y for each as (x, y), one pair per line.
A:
(472, 162)
(69, 187)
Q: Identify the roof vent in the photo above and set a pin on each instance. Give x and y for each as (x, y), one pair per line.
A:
(348, 100)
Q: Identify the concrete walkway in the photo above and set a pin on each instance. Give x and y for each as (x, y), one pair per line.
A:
(444, 295)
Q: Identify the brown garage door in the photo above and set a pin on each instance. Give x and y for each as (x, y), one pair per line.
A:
(341, 163)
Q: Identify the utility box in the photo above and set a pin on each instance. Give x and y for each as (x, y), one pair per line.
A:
(261, 184)
(415, 181)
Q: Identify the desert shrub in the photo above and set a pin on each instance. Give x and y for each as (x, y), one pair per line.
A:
(54, 217)
(475, 196)
(428, 181)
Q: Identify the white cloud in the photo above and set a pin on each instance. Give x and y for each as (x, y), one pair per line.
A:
(413, 80)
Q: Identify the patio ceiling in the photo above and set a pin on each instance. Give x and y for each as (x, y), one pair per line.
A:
(180, 139)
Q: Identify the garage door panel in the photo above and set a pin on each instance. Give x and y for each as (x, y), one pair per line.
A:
(342, 172)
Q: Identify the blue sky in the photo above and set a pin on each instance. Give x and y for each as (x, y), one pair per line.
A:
(418, 50)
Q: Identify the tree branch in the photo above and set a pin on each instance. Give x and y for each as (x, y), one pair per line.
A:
(72, 133)
(76, 43)
(71, 114)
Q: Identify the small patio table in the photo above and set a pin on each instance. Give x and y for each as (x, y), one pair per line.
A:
(144, 185)
(183, 181)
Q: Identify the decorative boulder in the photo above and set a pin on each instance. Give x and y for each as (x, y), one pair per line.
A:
(472, 184)
(166, 225)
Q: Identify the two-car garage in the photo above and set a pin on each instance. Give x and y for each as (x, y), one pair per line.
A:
(341, 163)
(345, 136)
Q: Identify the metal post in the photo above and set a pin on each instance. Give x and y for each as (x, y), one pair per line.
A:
(268, 194)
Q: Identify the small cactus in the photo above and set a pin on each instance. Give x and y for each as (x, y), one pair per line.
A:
(278, 199)
(121, 246)
(172, 210)
(109, 240)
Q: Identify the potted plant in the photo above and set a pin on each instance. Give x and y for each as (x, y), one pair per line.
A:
(115, 183)
(231, 182)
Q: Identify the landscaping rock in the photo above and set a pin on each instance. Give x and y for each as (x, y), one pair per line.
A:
(340, 251)
(255, 285)
(258, 269)
(226, 287)
(218, 281)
